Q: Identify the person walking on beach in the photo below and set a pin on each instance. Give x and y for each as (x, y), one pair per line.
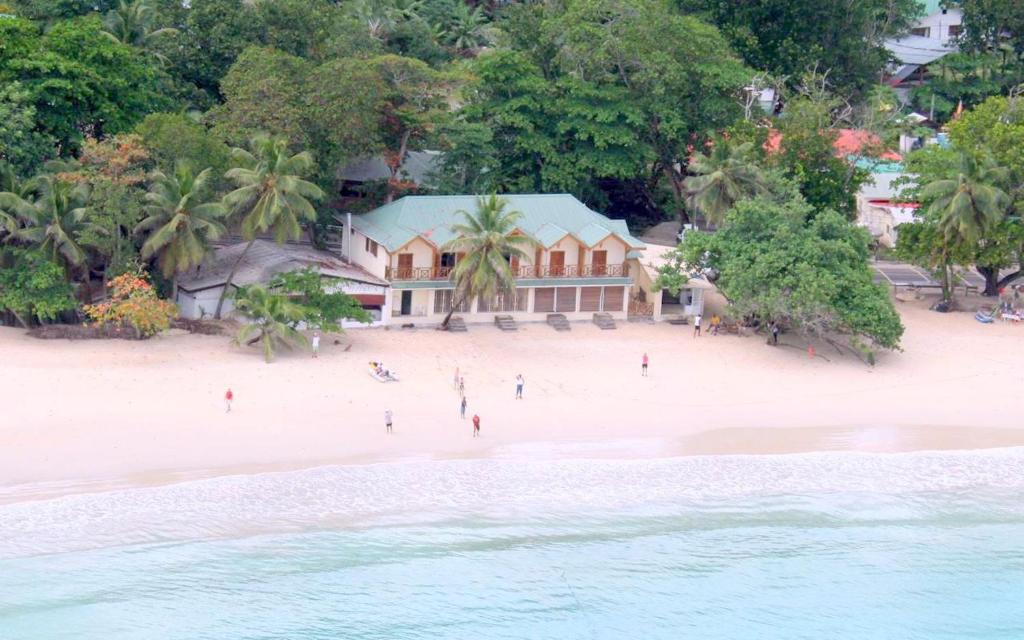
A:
(462, 387)
(316, 344)
(774, 330)
(476, 425)
(228, 397)
(519, 386)
(643, 365)
(462, 408)
(696, 325)
(387, 419)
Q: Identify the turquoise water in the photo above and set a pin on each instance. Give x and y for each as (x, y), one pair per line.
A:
(927, 545)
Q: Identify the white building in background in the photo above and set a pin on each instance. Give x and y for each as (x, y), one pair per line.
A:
(879, 209)
(932, 37)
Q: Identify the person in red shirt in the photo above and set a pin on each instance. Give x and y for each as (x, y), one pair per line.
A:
(228, 397)
(476, 425)
(643, 366)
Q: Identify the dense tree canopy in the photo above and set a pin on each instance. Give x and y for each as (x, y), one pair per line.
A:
(787, 39)
(789, 264)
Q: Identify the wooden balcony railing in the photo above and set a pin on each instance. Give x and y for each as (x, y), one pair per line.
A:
(524, 271)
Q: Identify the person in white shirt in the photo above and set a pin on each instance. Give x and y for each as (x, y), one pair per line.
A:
(316, 344)
(696, 325)
(519, 386)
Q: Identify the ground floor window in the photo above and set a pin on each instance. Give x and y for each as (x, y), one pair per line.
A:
(565, 299)
(613, 298)
(506, 301)
(443, 302)
(590, 298)
(544, 300)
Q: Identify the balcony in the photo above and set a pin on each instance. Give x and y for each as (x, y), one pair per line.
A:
(526, 271)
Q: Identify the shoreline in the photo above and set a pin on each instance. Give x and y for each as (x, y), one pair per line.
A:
(85, 413)
(739, 442)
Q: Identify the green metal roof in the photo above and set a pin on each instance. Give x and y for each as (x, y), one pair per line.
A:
(547, 218)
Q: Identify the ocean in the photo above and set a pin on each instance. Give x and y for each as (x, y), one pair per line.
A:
(830, 546)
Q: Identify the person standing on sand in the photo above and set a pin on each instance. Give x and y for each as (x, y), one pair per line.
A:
(316, 344)
(462, 387)
(228, 397)
(462, 408)
(519, 386)
(774, 330)
(696, 325)
(476, 425)
(643, 365)
(387, 419)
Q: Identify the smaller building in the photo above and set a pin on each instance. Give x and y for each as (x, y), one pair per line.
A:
(662, 304)
(199, 290)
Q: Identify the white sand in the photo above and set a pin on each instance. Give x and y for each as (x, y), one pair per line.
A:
(75, 412)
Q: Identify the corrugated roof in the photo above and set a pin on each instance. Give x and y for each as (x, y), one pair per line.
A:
(545, 217)
(419, 167)
(264, 260)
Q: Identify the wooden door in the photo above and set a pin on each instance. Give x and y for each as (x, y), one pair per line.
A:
(405, 266)
(556, 263)
(406, 304)
(599, 262)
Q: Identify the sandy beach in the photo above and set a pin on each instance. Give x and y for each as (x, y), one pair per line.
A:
(87, 412)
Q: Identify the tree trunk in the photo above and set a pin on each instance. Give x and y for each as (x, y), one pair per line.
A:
(993, 283)
(231, 276)
(448, 318)
(991, 280)
(21, 321)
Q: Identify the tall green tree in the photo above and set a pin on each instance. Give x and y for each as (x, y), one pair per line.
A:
(486, 240)
(969, 202)
(804, 269)
(786, 39)
(270, 194)
(133, 22)
(181, 220)
(722, 178)
(33, 287)
(54, 220)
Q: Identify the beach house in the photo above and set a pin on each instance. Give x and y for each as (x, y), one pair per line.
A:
(581, 264)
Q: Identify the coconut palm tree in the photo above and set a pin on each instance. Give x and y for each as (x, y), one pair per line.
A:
(15, 196)
(723, 178)
(180, 223)
(970, 202)
(467, 30)
(485, 238)
(272, 319)
(131, 23)
(55, 219)
(270, 194)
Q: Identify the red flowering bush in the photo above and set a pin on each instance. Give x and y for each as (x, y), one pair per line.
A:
(133, 302)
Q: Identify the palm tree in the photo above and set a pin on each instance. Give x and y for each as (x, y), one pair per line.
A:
(179, 221)
(467, 30)
(270, 195)
(131, 23)
(485, 238)
(272, 319)
(55, 219)
(966, 206)
(722, 179)
(971, 202)
(15, 195)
